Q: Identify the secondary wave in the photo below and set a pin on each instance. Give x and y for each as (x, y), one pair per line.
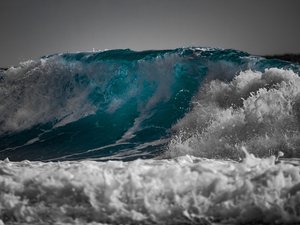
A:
(186, 190)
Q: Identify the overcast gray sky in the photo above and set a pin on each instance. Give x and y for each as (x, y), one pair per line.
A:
(32, 28)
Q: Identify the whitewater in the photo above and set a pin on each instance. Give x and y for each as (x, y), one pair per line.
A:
(183, 136)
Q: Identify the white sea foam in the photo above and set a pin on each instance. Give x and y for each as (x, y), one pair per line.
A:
(185, 189)
(258, 110)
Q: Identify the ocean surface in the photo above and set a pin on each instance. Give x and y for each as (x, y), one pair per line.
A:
(182, 136)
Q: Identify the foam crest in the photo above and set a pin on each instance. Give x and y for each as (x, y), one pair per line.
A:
(258, 110)
(182, 190)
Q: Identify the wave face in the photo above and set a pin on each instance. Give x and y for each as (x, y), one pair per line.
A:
(121, 104)
(76, 106)
(184, 136)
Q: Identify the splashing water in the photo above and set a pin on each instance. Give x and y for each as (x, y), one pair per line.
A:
(259, 110)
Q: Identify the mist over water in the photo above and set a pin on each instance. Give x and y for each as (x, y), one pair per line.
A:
(197, 135)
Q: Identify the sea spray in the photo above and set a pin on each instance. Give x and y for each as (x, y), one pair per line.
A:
(259, 110)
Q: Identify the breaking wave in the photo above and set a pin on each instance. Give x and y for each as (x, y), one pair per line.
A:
(196, 135)
(122, 104)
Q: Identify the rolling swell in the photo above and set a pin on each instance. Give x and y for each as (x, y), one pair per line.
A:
(116, 104)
